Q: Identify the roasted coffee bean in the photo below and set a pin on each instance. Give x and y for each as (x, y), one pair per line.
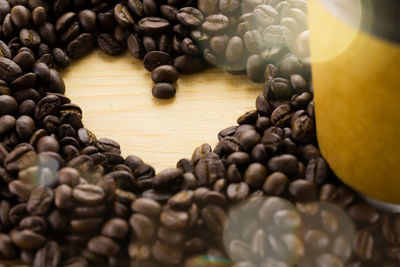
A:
(163, 90)
(187, 65)
(122, 15)
(115, 228)
(39, 15)
(27, 239)
(209, 169)
(8, 105)
(135, 46)
(214, 217)
(80, 46)
(275, 184)
(255, 175)
(237, 192)
(7, 249)
(21, 16)
(363, 213)
(21, 157)
(146, 206)
(286, 163)
(88, 194)
(166, 254)
(234, 49)
(215, 23)
(153, 25)
(154, 59)
(174, 220)
(143, 228)
(87, 20)
(363, 245)
(190, 17)
(34, 223)
(49, 255)
(75, 262)
(303, 190)
(40, 201)
(109, 45)
(29, 38)
(103, 246)
(7, 124)
(86, 225)
(8, 69)
(20, 189)
(149, 43)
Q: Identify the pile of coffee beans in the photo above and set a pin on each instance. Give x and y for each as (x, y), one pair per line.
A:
(68, 198)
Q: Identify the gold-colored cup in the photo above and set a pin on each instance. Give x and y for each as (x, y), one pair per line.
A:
(356, 78)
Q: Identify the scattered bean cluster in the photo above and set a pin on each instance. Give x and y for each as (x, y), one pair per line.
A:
(68, 198)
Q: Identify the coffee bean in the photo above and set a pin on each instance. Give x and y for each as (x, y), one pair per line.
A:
(229, 6)
(153, 25)
(146, 206)
(40, 201)
(103, 246)
(87, 20)
(34, 223)
(20, 189)
(209, 169)
(80, 46)
(287, 164)
(8, 105)
(109, 45)
(27, 239)
(304, 191)
(7, 123)
(237, 192)
(88, 194)
(190, 17)
(275, 184)
(155, 59)
(7, 249)
(49, 255)
(215, 23)
(363, 213)
(163, 90)
(75, 262)
(21, 16)
(8, 69)
(143, 228)
(166, 254)
(186, 64)
(122, 15)
(214, 217)
(115, 228)
(363, 244)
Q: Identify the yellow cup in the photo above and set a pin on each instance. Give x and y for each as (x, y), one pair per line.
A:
(356, 78)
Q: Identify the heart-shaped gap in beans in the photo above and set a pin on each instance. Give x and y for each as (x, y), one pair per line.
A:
(115, 96)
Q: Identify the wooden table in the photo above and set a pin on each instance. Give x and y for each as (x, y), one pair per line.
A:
(115, 95)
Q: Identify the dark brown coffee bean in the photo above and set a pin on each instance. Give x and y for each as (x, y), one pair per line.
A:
(20, 158)
(149, 43)
(39, 15)
(181, 200)
(136, 7)
(86, 225)
(255, 175)
(287, 164)
(20, 189)
(303, 190)
(103, 246)
(75, 262)
(174, 220)
(34, 223)
(49, 255)
(317, 171)
(29, 38)
(4, 50)
(8, 105)
(190, 17)
(25, 126)
(303, 129)
(153, 25)
(166, 254)
(163, 90)
(186, 64)
(81, 46)
(122, 15)
(8, 69)
(27, 239)
(169, 12)
(88, 194)
(150, 8)
(214, 217)
(275, 184)
(146, 206)
(40, 201)
(237, 192)
(143, 228)
(363, 213)
(87, 20)
(7, 249)
(21, 16)
(89, 211)
(189, 48)
(115, 228)
(63, 197)
(215, 23)
(209, 169)
(363, 245)
(7, 123)
(109, 45)
(135, 46)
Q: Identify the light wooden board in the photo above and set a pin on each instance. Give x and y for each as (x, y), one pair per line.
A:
(115, 95)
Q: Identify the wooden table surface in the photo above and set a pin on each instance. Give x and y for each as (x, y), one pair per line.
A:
(115, 95)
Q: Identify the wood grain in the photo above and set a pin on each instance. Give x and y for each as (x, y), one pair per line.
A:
(115, 95)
